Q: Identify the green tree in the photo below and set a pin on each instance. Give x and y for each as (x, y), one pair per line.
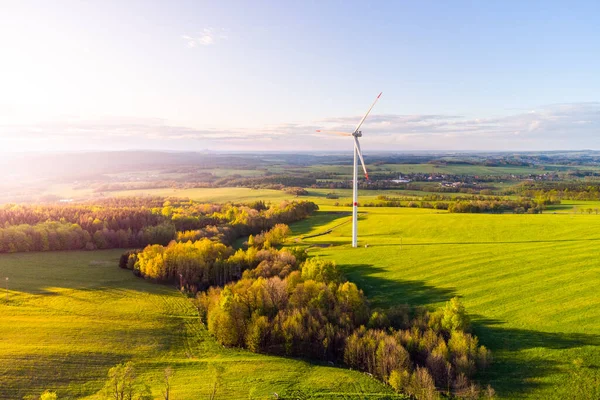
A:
(452, 317)
(399, 380)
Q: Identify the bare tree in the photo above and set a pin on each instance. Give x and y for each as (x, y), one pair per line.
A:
(168, 374)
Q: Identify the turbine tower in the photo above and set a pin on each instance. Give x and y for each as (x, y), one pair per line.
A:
(357, 154)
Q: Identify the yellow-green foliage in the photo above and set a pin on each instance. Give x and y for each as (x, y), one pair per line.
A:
(320, 270)
(71, 316)
(48, 395)
(273, 237)
(452, 317)
(195, 261)
(290, 313)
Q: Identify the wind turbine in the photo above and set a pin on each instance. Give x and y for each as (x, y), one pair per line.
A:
(357, 154)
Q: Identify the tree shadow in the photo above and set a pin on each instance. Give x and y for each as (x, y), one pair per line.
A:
(521, 339)
(512, 374)
(75, 375)
(319, 219)
(383, 292)
(73, 280)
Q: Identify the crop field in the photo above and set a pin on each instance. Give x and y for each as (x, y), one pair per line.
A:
(70, 316)
(530, 283)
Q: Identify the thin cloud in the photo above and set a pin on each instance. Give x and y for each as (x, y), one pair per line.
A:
(206, 37)
(578, 120)
(559, 127)
(123, 127)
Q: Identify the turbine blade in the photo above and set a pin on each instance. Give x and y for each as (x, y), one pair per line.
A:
(367, 114)
(362, 160)
(335, 133)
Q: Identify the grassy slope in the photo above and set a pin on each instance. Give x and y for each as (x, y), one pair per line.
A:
(73, 315)
(531, 282)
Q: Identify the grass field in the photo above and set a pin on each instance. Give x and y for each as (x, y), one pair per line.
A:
(454, 169)
(71, 316)
(531, 283)
(240, 195)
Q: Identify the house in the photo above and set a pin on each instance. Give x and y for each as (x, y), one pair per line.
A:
(401, 180)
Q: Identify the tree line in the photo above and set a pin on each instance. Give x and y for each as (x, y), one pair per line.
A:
(137, 222)
(465, 204)
(198, 265)
(279, 301)
(311, 310)
(556, 191)
(518, 206)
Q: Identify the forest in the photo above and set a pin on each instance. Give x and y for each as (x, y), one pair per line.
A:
(559, 190)
(136, 222)
(279, 301)
(466, 204)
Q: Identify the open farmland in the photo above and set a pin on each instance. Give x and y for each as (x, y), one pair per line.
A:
(457, 169)
(529, 281)
(73, 315)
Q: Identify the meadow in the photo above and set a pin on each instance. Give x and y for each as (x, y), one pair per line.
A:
(530, 283)
(455, 169)
(240, 195)
(70, 316)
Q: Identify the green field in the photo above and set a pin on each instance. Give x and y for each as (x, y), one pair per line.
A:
(71, 316)
(454, 169)
(240, 195)
(531, 282)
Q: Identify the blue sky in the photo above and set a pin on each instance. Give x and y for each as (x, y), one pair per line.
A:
(192, 75)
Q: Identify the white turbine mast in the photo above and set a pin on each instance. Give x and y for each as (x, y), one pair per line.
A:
(357, 154)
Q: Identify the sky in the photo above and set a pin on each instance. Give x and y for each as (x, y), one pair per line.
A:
(265, 75)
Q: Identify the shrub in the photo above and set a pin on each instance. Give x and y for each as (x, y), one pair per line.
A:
(452, 317)
(48, 395)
